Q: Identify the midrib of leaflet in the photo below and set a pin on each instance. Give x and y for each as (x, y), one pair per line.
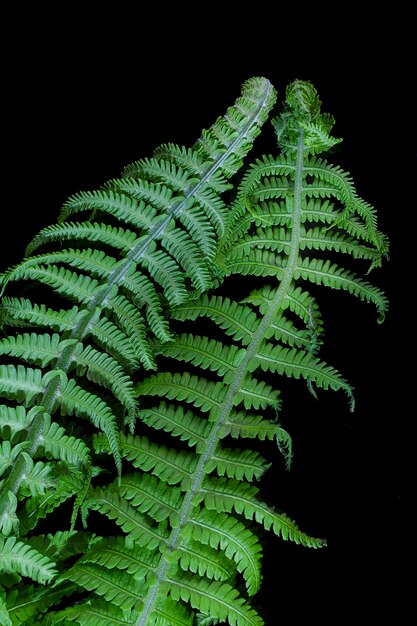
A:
(241, 371)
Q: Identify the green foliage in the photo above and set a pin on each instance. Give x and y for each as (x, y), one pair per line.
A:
(185, 510)
(120, 257)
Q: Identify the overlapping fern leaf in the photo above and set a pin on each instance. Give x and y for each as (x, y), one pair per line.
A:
(117, 260)
(188, 552)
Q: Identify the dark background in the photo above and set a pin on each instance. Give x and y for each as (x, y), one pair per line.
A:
(85, 98)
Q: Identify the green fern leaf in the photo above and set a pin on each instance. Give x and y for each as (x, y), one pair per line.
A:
(4, 613)
(330, 275)
(256, 394)
(22, 383)
(14, 419)
(56, 443)
(183, 424)
(30, 602)
(34, 348)
(230, 495)
(123, 554)
(150, 496)
(204, 561)
(97, 613)
(170, 466)
(236, 463)
(8, 454)
(74, 399)
(203, 394)
(60, 545)
(16, 556)
(66, 484)
(114, 586)
(218, 599)
(230, 316)
(277, 328)
(148, 240)
(22, 312)
(104, 370)
(36, 479)
(185, 542)
(125, 515)
(238, 542)
(115, 237)
(204, 352)
(119, 345)
(298, 363)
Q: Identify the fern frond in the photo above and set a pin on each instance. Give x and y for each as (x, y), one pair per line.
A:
(183, 424)
(156, 231)
(74, 399)
(122, 553)
(236, 463)
(204, 352)
(298, 363)
(150, 495)
(4, 613)
(200, 559)
(186, 544)
(230, 316)
(14, 419)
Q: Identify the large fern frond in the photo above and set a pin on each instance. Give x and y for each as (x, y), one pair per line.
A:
(122, 255)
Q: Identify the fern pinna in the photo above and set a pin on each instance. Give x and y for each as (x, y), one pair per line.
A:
(147, 242)
(188, 552)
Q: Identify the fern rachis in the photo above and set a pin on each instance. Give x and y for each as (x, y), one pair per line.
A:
(235, 384)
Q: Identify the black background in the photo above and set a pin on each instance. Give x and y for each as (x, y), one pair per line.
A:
(84, 98)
